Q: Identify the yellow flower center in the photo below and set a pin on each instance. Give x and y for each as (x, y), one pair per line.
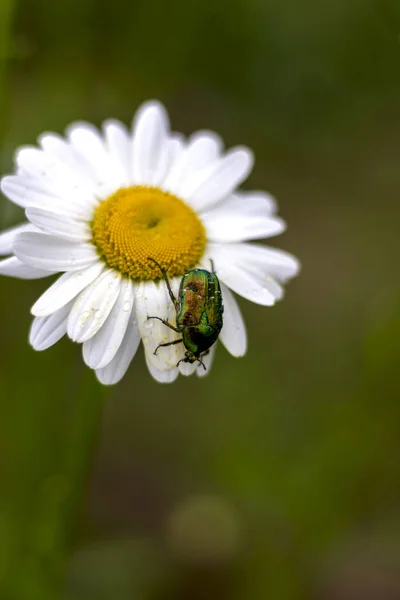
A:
(137, 223)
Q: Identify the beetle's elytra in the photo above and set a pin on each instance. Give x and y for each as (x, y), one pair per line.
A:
(199, 311)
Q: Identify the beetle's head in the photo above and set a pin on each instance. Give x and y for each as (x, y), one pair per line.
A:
(191, 357)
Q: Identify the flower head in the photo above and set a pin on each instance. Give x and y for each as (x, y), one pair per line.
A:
(100, 206)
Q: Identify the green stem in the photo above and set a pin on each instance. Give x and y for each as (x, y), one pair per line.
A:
(68, 489)
(82, 441)
(46, 522)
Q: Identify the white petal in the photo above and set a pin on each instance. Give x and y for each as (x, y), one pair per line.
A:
(8, 236)
(92, 307)
(54, 145)
(152, 300)
(162, 375)
(46, 331)
(59, 225)
(187, 368)
(175, 146)
(255, 202)
(261, 290)
(226, 225)
(43, 251)
(46, 167)
(19, 171)
(258, 259)
(243, 215)
(66, 287)
(27, 191)
(226, 175)
(13, 267)
(233, 334)
(119, 145)
(33, 161)
(101, 348)
(150, 149)
(246, 284)
(88, 142)
(207, 360)
(240, 276)
(204, 149)
(116, 369)
(20, 189)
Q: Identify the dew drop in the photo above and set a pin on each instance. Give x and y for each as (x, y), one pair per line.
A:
(266, 290)
(148, 324)
(126, 306)
(97, 314)
(85, 314)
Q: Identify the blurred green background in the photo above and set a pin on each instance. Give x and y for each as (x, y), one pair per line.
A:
(278, 475)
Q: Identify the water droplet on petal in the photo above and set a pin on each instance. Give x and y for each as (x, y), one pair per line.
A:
(85, 314)
(97, 314)
(126, 306)
(148, 324)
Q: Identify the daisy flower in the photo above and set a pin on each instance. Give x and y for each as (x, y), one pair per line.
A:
(100, 204)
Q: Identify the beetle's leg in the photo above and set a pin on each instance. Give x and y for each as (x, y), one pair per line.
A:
(201, 362)
(167, 344)
(165, 323)
(165, 276)
(185, 360)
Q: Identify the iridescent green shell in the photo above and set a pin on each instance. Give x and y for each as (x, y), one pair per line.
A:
(200, 308)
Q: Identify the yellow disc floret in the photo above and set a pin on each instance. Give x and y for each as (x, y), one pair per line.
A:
(137, 223)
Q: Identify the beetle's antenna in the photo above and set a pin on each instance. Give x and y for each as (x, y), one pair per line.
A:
(212, 266)
(165, 276)
(163, 271)
(201, 362)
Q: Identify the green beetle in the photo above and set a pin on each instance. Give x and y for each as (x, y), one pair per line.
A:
(199, 311)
